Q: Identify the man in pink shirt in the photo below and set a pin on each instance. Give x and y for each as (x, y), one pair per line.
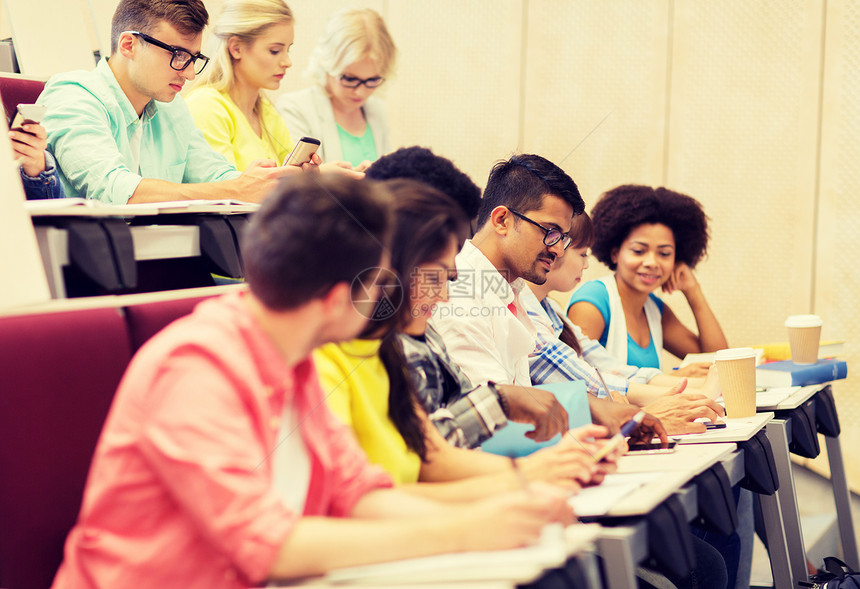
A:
(181, 491)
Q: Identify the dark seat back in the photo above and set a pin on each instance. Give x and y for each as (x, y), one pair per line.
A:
(60, 372)
(16, 90)
(146, 319)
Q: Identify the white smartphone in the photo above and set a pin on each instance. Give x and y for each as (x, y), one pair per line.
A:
(302, 152)
(26, 114)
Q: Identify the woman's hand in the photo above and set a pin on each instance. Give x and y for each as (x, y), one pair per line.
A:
(682, 278)
(29, 147)
(695, 370)
(343, 168)
(510, 520)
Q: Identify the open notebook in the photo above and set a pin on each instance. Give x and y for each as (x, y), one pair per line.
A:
(520, 565)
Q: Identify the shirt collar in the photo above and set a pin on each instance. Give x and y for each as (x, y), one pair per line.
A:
(484, 273)
(128, 113)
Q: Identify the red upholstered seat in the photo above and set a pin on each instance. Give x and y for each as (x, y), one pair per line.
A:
(16, 90)
(59, 374)
(147, 319)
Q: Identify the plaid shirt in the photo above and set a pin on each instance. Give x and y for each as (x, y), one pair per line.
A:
(555, 361)
(465, 416)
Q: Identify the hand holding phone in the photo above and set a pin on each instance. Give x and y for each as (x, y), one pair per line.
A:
(305, 148)
(27, 114)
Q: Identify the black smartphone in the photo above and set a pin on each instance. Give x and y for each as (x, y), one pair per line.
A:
(652, 448)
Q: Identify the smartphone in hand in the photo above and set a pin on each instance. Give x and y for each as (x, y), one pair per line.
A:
(27, 114)
(302, 152)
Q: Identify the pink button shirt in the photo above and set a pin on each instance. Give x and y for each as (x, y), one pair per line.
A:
(180, 490)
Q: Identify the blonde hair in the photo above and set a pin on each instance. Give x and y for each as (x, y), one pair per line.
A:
(246, 19)
(350, 36)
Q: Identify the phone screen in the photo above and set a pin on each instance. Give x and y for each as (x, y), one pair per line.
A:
(652, 448)
(27, 113)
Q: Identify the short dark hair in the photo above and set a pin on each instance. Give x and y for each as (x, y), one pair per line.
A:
(623, 209)
(189, 17)
(521, 182)
(419, 163)
(425, 220)
(312, 233)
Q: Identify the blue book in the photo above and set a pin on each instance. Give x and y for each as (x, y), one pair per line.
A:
(511, 440)
(789, 374)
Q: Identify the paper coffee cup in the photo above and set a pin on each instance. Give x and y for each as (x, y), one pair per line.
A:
(804, 333)
(736, 368)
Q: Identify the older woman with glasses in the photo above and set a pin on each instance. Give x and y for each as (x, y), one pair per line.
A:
(351, 60)
(250, 51)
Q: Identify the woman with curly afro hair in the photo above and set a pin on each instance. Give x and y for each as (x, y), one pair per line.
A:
(651, 238)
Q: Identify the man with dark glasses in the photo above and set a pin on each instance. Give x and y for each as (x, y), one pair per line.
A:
(121, 134)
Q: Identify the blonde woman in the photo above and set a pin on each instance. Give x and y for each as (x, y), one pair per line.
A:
(250, 51)
(352, 59)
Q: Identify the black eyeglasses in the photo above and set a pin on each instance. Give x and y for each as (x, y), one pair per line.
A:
(551, 236)
(353, 82)
(181, 59)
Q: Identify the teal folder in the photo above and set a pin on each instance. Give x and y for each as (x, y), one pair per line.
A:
(511, 440)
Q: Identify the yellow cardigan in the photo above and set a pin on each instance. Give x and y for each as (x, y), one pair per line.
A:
(228, 131)
(356, 387)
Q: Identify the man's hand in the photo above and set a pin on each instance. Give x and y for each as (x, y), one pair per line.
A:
(260, 178)
(678, 410)
(537, 407)
(29, 146)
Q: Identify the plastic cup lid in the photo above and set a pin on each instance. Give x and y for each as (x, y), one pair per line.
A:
(734, 354)
(803, 321)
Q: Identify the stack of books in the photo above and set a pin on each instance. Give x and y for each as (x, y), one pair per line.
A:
(789, 374)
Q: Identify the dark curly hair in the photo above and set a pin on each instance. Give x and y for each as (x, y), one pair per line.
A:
(622, 209)
(419, 163)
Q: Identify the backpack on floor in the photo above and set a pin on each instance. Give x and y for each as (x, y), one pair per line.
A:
(839, 575)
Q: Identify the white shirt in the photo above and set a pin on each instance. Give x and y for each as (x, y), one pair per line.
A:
(482, 335)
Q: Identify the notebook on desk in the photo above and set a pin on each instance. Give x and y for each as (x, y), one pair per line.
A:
(520, 565)
(511, 440)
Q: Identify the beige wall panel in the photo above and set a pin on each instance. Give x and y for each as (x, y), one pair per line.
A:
(742, 140)
(837, 281)
(458, 81)
(102, 13)
(586, 60)
(50, 36)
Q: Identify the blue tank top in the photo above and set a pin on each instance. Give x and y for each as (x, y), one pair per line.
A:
(594, 292)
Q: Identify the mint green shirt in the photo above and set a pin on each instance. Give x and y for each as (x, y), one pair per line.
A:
(357, 149)
(90, 124)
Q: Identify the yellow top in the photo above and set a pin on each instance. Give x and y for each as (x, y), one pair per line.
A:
(355, 383)
(228, 131)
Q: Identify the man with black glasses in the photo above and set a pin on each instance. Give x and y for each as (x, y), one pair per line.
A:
(121, 134)
(523, 221)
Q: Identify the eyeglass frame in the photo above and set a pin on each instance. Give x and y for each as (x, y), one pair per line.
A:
(175, 51)
(360, 81)
(562, 235)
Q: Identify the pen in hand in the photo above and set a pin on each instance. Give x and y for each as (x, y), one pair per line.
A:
(614, 441)
(603, 382)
